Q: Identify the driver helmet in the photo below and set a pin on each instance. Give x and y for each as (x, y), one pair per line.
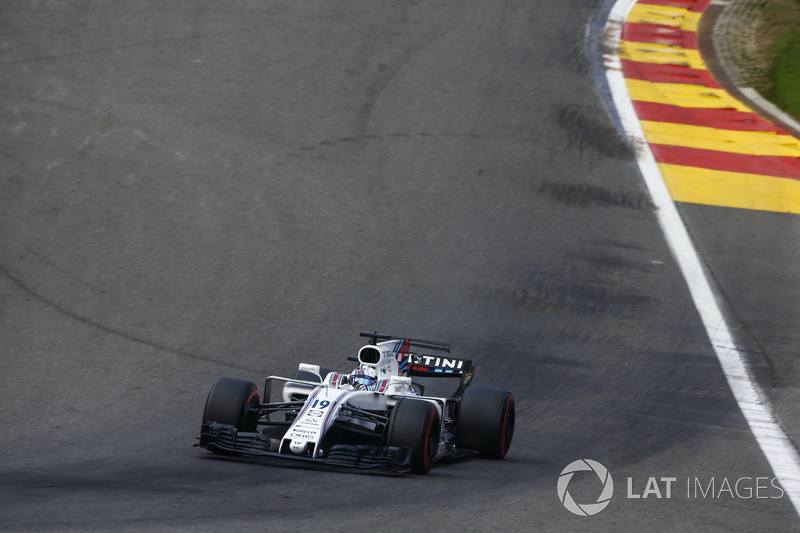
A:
(364, 378)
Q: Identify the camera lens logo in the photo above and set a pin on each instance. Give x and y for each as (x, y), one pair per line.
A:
(586, 509)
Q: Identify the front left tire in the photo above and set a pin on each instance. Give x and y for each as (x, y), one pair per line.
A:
(233, 402)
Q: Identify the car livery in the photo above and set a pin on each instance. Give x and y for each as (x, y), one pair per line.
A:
(331, 418)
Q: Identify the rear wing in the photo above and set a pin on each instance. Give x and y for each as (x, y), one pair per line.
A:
(418, 343)
(429, 365)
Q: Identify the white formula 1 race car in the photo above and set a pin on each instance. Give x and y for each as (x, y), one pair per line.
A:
(376, 417)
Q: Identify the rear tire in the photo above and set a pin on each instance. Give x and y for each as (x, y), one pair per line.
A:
(416, 424)
(485, 421)
(233, 402)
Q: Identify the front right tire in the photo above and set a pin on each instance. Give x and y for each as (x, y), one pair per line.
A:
(416, 424)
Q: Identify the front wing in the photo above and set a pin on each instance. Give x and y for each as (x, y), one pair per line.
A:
(227, 440)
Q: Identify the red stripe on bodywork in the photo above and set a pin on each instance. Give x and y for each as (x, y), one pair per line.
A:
(305, 407)
(667, 73)
(776, 166)
(724, 119)
(332, 411)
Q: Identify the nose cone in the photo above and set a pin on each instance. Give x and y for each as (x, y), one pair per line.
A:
(298, 446)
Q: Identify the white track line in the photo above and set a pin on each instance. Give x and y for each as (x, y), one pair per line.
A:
(753, 402)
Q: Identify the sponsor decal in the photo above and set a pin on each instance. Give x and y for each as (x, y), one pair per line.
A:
(436, 361)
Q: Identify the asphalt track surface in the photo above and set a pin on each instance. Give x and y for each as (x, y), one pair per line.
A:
(192, 190)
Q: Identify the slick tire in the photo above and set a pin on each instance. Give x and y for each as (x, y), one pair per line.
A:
(416, 424)
(233, 402)
(485, 421)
